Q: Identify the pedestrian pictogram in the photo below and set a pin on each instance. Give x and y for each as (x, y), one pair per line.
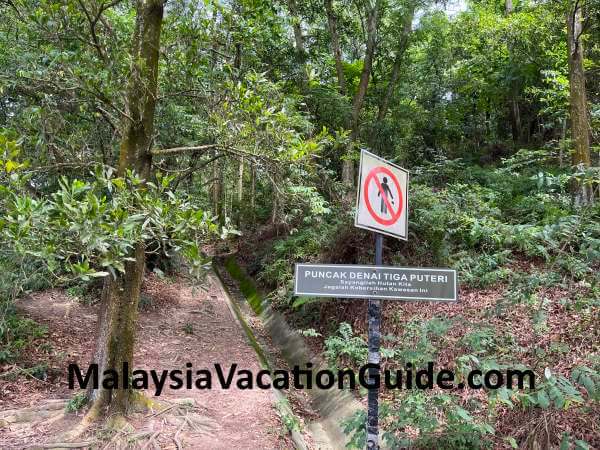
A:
(382, 196)
(385, 189)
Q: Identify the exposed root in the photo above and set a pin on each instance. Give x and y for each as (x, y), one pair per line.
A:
(66, 445)
(93, 415)
(119, 423)
(116, 436)
(181, 414)
(56, 418)
(542, 433)
(152, 441)
(162, 411)
(46, 411)
(137, 402)
(140, 402)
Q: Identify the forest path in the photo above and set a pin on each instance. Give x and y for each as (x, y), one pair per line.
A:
(180, 324)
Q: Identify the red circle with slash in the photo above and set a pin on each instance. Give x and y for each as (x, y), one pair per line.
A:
(372, 176)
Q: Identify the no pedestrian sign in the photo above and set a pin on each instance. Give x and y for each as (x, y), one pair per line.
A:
(382, 200)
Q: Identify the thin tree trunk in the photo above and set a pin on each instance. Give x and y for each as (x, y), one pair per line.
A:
(237, 60)
(120, 296)
(275, 209)
(580, 125)
(561, 147)
(359, 97)
(515, 112)
(253, 190)
(216, 187)
(401, 50)
(221, 192)
(335, 45)
(229, 198)
(240, 191)
(299, 44)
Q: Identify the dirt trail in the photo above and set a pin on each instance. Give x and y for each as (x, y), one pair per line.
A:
(182, 324)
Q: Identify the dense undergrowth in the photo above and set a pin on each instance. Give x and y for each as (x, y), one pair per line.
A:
(483, 223)
(528, 265)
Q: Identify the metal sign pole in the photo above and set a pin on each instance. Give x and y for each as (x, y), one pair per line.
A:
(374, 320)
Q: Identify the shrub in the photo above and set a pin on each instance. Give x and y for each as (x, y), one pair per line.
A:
(345, 346)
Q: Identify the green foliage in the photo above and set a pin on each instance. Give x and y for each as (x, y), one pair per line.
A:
(568, 442)
(315, 206)
(419, 342)
(17, 277)
(330, 108)
(77, 402)
(345, 347)
(417, 410)
(303, 245)
(86, 230)
(483, 270)
(310, 332)
(86, 292)
(524, 286)
(589, 379)
(355, 428)
(146, 302)
(482, 227)
(480, 340)
(555, 391)
(9, 158)
(90, 229)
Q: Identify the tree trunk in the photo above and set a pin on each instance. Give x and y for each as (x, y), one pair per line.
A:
(252, 190)
(580, 125)
(515, 112)
(563, 137)
(275, 209)
(240, 191)
(299, 41)
(217, 188)
(118, 313)
(401, 50)
(335, 45)
(237, 60)
(115, 341)
(359, 97)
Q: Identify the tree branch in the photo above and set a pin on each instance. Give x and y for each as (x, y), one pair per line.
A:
(190, 170)
(176, 150)
(92, 23)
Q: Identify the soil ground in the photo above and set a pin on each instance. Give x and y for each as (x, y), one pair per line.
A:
(179, 324)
